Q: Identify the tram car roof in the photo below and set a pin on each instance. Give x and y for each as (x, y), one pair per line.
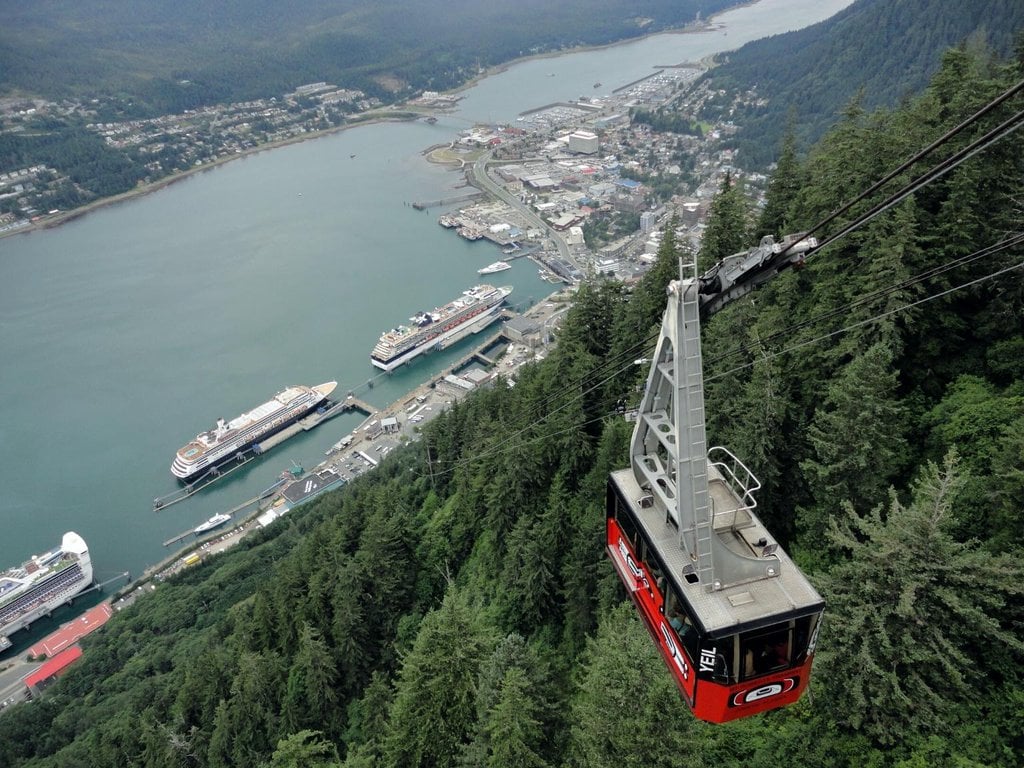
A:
(731, 608)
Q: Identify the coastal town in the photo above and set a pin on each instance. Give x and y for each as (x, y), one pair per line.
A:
(584, 188)
(585, 182)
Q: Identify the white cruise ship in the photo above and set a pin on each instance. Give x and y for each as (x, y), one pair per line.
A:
(474, 310)
(42, 583)
(229, 439)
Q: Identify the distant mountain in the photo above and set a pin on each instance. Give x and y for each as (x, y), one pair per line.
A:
(889, 49)
(171, 54)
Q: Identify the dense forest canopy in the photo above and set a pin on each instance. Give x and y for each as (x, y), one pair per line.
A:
(169, 55)
(883, 49)
(456, 607)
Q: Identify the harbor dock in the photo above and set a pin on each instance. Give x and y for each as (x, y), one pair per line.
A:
(350, 403)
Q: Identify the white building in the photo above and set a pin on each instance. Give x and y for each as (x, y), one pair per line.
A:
(583, 142)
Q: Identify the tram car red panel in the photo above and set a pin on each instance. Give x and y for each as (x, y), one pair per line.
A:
(733, 652)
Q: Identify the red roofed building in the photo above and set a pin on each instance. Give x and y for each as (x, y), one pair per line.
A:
(52, 669)
(73, 631)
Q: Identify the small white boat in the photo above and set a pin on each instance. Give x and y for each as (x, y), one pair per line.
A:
(214, 522)
(498, 266)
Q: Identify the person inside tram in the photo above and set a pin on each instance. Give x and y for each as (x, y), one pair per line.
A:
(681, 623)
(766, 653)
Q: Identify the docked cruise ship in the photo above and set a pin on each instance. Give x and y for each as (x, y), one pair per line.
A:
(498, 266)
(230, 439)
(42, 583)
(474, 310)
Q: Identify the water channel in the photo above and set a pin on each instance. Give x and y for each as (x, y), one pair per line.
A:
(125, 332)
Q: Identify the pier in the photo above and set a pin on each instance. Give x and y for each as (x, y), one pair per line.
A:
(233, 511)
(350, 403)
(467, 198)
(212, 476)
(627, 86)
(315, 419)
(101, 584)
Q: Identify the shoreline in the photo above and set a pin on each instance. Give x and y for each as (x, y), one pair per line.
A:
(497, 69)
(63, 218)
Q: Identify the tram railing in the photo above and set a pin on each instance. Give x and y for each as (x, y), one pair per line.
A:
(738, 478)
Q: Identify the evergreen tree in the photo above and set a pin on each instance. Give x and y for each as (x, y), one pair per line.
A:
(512, 726)
(310, 696)
(857, 440)
(762, 437)
(889, 253)
(982, 423)
(368, 722)
(727, 228)
(588, 581)
(434, 708)
(245, 725)
(917, 621)
(528, 586)
(1005, 522)
(305, 749)
(782, 188)
(533, 700)
(627, 711)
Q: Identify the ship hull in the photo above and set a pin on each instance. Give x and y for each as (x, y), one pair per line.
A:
(446, 339)
(454, 321)
(237, 446)
(53, 591)
(213, 523)
(498, 266)
(236, 449)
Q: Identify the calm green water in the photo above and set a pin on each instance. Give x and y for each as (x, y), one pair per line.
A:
(126, 332)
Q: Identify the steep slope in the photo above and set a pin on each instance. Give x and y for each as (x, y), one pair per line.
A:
(885, 49)
(166, 55)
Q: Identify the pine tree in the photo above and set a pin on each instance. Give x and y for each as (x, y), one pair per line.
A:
(1008, 489)
(512, 726)
(511, 720)
(245, 725)
(626, 710)
(762, 437)
(528, 585)
(305, 749)
(368, 723)
(782, 188)
(889, 252)
(586, 575)
(310, 695)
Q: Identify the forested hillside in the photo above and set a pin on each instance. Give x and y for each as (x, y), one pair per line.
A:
(457, 608)
(881, 49)
(164, 56)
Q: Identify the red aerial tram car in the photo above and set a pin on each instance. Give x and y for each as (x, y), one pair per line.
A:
(734, 618)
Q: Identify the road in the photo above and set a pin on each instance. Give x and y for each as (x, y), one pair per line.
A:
(477, 175)
(11, 674)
